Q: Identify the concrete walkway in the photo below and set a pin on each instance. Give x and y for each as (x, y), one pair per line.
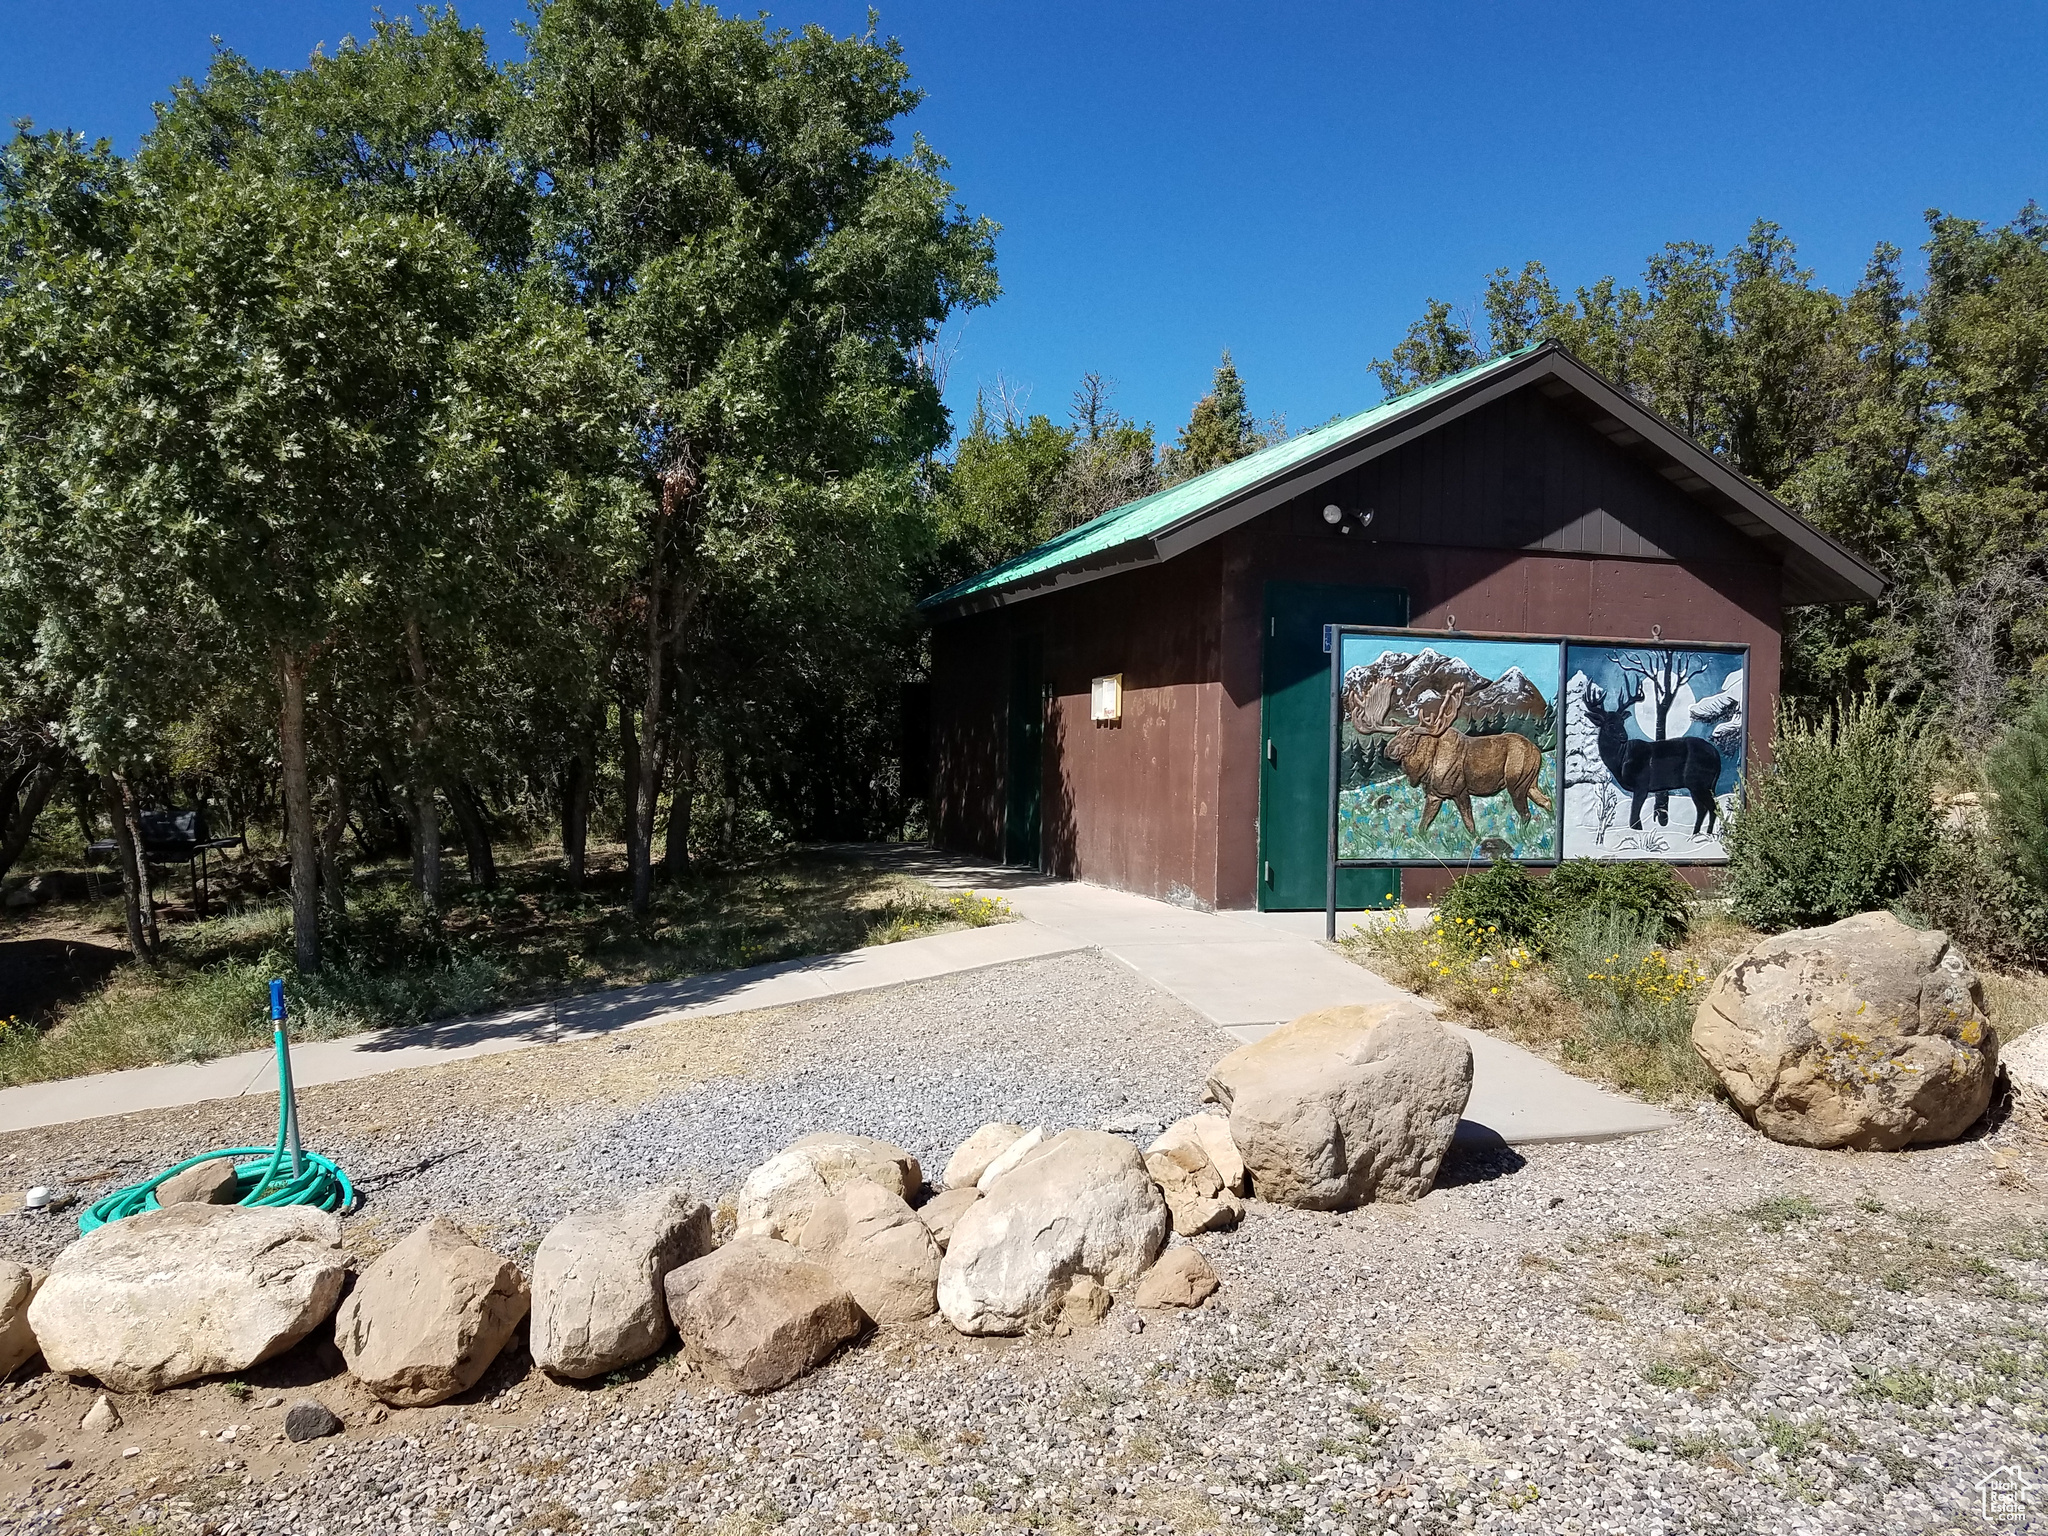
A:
(1246, 972)
(1252, 971)
(489, 1034)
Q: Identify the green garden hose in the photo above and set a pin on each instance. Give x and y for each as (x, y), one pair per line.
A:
(308, 1179)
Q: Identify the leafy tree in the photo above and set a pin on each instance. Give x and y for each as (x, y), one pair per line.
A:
(1435, 347)
(719, 203)
(1907, 424)
(292, 435)
(1016, 480)
(2018, 771)
(1113, 461)
(445, 674)
(1000, 495)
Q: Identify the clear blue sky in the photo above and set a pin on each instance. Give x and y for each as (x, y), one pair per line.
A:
(1292, 181)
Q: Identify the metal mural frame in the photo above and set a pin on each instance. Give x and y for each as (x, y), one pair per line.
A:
(1333, 637)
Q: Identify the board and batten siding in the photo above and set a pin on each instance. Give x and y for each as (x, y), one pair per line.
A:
(1518, 518)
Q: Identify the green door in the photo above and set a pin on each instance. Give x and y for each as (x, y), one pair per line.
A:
(1026, 755)
(1294, 782)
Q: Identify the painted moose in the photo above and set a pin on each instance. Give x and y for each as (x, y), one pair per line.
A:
(1447, 765)
(1646, 768)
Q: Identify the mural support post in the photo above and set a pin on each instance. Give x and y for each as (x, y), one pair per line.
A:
(1333, 645)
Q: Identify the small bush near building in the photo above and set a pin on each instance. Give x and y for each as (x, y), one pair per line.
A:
(1503, 900)
(1840, 821)
(1517, 907)
(1578, 963)
(1974, 890)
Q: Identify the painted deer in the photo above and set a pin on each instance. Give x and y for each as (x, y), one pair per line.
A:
(1646, 768)
(1448, 765)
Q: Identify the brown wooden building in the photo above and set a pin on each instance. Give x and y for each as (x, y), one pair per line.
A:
(1524, 496)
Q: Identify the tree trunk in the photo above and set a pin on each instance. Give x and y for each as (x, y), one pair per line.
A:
(131, 813)
(634, 770)
(576, 813)
(127, 860)
(333, 878)
(675, 857)
(666, 610)
(426, 843)
(476, 833)
(26, 793)
(426, 816)
(300, 833)
(82, 807)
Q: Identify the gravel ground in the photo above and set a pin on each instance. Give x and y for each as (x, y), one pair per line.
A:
(1692, 1331)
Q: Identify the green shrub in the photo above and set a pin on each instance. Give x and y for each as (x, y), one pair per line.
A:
(1650, 892)
(1973, 889)
(1840, 821)
(1637, 998)
(2018, 772)
(1504, 902)
(1507, 904)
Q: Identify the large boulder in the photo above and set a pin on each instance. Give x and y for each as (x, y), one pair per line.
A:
(2025, 1062)
(597, 1278)
(943, 1211)
(971, 1158)
(195, 1290)
(18, 1287)
(1865, 1034)
(1346, 1105)
(878, 1249)
(776, 1199)
(428, 1318)
(757, 1313)
(1081, 1205)
(1180, 1165)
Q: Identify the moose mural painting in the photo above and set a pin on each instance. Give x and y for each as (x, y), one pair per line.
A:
(1447, 750)
(1653, 750)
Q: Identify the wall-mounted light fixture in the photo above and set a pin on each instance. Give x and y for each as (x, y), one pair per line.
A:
(1347, 522)
(1106, 697)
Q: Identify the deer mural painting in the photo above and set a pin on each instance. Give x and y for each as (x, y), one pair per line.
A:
(1642, 724)
(1645, 768)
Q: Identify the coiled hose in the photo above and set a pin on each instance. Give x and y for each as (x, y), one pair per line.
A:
(306, 1179)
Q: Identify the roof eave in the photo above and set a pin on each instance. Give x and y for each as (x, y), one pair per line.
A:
(1818, 569)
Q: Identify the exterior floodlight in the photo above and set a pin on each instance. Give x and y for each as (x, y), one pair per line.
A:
(1333, 514)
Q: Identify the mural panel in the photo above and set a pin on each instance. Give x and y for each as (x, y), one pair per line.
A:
(1653, 750)
(1447, 750)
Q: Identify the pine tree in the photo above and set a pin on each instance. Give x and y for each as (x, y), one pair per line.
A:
(1219, 431)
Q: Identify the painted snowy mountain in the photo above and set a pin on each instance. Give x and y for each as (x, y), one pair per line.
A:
(1509, 694)
(1421, 678)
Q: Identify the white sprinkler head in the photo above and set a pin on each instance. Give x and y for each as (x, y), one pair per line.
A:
(37, 1198)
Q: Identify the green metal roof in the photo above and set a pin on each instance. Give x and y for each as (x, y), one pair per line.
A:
(1154, 514)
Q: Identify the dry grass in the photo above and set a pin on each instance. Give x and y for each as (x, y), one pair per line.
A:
(1527, 998)
(2016, 1001)
(527, 939)
(1622, 1017)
